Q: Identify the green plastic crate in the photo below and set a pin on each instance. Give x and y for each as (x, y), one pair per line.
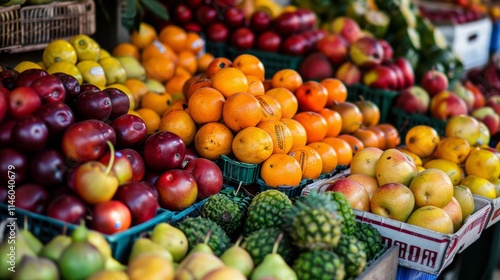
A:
(384, 99)
(192, 211)
(290, 191)
(46, 228)
(238, 172)
(403, 121)
(217, 49)
(273, 62)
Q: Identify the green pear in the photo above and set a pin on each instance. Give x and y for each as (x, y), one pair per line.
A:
(97, 239)
(12, 251)
(238, 258)
(196, 265)
(274, 266)
(203, 247)
(33, 242)
(112, 264)
(144, 245)
(55, 247)
(172, 239)
(36, 268)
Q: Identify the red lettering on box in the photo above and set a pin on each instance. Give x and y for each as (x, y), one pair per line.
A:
(414, 254)
(495, 215)
(430, 256)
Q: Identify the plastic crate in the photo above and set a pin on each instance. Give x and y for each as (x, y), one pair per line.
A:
(38, 25)
(238, 172)
(192, 211)
(217, 49)
(404, 121)
(290, 191)
(45, 228)
(337, 170)
(382, 98)
(10, 27)
(273, 62)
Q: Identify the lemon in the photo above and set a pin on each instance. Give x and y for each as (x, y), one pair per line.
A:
(92, 72)
(25, 65)
(104, 54)
(66, 67)
(127, 92)
(86, 48)
(114, 71)
(59, 50)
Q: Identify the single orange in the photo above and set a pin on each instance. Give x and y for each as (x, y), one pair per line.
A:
(138, 89)
(281, 170)
(126, 49)
(392, 139)
(204, 61)
(217, 64)
(368, 137)
(342, 148)
(352, 118)
(175, 84)
(310, 161)
(188, 83)
(255, 86)
(337, 91)
(328, 156)
(188, 60)
(180, 104)
(312, 96)
(315, 125)
(194, 42)
(250, 65)
(299, 133)
(199, 83)
(205, 105)
(182, 71)
(173, 36)
(241, 110)
(287, 78)
(381, 136)
(271, 108)
(159, 68)
(157, 48)
(252, 145)
(355, 143)
(333, 120)
(286, 98)
(229, 81)
(280, 134)
(150, 118)
(213, 140)
(180, 123)
(158, 102)
(143, 36)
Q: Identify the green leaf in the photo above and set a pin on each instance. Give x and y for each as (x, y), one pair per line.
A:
(156, 8)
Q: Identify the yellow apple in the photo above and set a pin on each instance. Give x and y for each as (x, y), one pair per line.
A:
(393, 200)
(464, 197)
(454, 210)
(432, 218)
(432, 186)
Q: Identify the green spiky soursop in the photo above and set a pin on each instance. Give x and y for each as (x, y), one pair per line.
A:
(314, 223)
(265, 210)
(319, 265)
(260, 243)
(227, 209)
(345, 209)
(371, 237)
(197, 228)
(352, 252)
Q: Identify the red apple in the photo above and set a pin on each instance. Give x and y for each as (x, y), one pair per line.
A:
(8, 78)
(347, 28)
(108, 133)
(269, 41)
(3, 102)
(400, 78)
(130, 131)
(234, 18)
(366, 52)
(193, 27)
(177, 189)
(111, 217)
(315, 66)
(93, 105)
(311, 39)
(381, 77)
(57, 116)
(6, 132)
(464, 93)
(446, 104)
(489, 117)
(137, 163)
(10, 159)
(393, 200)
(140, 201)
(30, 134)
(355, 193)
(182, 14)
(294, 45)
(190, 155)
(413, 100)
(208, 176)
(217, 32)
(50, 89)
(4, 195)
(434, 81)
(348, 73)
(335, 47)
(48, 168)
(206, 14)
(32, 197)
(164, 150)
(242, 38)
(407, 70)
(83, 141)
(287, 23)
(388, 51)
(494, 102)
(67, 208)
(120, 102)
(27, 77)
(307, 18)
(71, 85)
(260, 21)
(23, 101)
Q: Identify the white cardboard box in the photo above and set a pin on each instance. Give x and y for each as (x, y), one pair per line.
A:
(422, 249)
(494, 216)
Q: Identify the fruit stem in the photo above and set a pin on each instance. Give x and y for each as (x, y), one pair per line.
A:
(25, 226)
(239, 188)
(111, 157)
(207, 237)
(276, 243)
(238, 241)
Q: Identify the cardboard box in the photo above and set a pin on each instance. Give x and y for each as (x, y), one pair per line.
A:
(422, 249)
(384, 267)
(495, 210)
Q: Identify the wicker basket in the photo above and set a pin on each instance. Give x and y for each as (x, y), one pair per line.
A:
(33, 27)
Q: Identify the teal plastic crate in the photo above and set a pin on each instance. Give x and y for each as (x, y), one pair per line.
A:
(217, 49)
(403, 121)
(290, 191)
(192, 211)
(46, 228)
(238, 172)
(273, 62)
(384, 99)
